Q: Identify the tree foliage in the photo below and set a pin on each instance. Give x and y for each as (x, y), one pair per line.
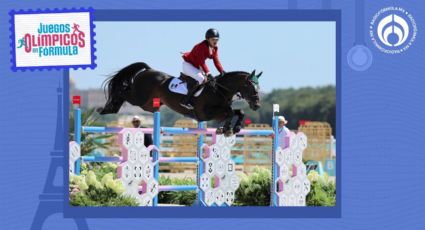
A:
(89, 141)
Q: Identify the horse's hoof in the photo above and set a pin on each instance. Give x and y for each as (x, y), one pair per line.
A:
(219, 131)
(101, 110)
(228, 133)
(236, 129)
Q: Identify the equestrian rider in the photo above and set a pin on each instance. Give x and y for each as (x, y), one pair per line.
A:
(194, 63)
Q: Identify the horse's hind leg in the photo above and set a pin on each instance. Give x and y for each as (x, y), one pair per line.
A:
(113, 105)
(142, 99)
(148, 106)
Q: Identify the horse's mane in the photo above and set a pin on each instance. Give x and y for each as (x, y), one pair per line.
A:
(233, 73)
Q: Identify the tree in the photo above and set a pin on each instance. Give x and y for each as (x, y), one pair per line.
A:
(89, 141)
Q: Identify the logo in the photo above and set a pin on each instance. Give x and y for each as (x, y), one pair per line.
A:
(52, 39)
(393, 30)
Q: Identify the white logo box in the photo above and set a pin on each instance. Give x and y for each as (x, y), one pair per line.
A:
(66, 39)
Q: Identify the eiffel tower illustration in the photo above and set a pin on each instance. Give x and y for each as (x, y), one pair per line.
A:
(51, 201)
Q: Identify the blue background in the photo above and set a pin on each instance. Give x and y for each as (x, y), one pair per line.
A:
(382, 123)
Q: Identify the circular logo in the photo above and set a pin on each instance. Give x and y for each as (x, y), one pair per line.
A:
(393, 30)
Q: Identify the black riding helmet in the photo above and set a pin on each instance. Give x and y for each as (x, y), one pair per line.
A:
(212, 33)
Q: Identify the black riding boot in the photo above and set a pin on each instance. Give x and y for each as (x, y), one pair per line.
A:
(186, 102)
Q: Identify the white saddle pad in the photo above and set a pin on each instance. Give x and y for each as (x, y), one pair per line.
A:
(178, 86)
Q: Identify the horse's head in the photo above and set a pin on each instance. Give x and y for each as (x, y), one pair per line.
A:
(249, 90)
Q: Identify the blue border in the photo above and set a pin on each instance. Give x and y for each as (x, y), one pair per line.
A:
(215, 212)
(12, 14)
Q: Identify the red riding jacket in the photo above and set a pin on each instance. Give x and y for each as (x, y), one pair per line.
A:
(200, 53)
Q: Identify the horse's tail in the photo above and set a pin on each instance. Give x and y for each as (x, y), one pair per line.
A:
(118, 85)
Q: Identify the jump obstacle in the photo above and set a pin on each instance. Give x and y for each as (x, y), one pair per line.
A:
(216, 178)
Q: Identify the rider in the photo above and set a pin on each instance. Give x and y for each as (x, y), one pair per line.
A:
(194, 63)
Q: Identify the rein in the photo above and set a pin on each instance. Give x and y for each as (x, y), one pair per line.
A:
(238, 94)
(228, 90)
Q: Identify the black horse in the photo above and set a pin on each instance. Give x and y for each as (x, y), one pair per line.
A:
(138, 84)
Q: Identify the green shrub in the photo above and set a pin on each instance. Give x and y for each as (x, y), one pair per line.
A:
(87, 190)
(187, 198)
(102, 197)
(99, 169)
(254, 190)
(322, 192)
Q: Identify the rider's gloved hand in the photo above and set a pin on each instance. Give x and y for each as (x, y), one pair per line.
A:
(210, 77)
(222, 73)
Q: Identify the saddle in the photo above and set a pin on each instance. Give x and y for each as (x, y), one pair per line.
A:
(179, 85)
(189, 80)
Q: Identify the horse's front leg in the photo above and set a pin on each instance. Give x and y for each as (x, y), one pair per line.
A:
(226, 129)
(238, 124)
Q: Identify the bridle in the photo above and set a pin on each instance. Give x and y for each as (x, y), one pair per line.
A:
(239, 95)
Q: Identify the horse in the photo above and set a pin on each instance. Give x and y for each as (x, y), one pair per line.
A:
(138, 84)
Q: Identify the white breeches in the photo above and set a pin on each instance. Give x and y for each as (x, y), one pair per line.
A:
(193, 72)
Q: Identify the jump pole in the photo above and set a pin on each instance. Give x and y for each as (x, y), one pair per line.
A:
(273, 197)
(199, 152)
(76, 101)
(156, 141)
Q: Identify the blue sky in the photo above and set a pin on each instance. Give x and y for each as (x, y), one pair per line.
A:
(291, 54)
